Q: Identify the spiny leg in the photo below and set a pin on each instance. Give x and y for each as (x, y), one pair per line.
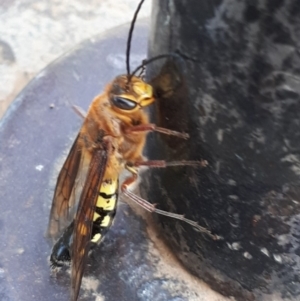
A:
(151, 127)
(164, 164)
(151, 207)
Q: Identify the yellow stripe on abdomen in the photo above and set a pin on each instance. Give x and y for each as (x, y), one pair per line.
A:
(105, 208)
(108, 204)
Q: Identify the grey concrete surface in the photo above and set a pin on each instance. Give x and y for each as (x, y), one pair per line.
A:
(34, 33)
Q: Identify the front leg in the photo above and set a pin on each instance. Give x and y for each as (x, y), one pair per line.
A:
(151, 127)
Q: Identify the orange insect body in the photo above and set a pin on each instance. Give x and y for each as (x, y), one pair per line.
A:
(105, 145)
(104, 122)
(112, 138)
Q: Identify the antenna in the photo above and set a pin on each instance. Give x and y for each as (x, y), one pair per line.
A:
(130, 37)
(155, 58)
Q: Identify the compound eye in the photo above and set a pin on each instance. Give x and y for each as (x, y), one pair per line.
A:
(123, 103)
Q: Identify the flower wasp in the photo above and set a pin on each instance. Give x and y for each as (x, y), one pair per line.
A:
(111, 139)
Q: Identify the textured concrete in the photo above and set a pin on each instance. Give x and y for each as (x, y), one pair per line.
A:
(34, 33)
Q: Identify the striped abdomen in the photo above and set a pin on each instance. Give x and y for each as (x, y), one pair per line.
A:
(105, 208)
(103, 216)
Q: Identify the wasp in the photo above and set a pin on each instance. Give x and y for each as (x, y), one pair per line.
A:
(111, 139)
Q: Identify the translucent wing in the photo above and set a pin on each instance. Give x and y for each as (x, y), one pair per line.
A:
(84, 216)
(59, 215)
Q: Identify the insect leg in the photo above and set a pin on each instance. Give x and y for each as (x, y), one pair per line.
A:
(151, 127)
(164, 164)
(151, 207)
(79, 111)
